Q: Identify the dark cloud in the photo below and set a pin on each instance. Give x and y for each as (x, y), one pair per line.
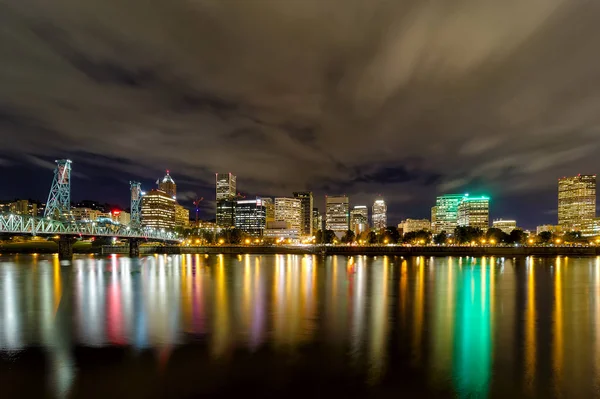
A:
(405, 98)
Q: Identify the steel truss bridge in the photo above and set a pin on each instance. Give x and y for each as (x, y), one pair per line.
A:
(58, 220)
(40, 226)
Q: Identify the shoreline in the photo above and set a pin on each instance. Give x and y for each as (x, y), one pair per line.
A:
(500, 251)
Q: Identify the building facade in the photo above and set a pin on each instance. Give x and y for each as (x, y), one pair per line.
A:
(269, 209)
(182, 216)
(306, 198)
(121, 217)
(317, 220)
(337, 217)
(446, 213)
(379, 214)
(549, 227)
(167, 184)
(576, 202)
(84, 214)
(225, 217)
(474, 212)
(289, 210)
(226, 186)
(251, 216)
(505, 225)
(158, 210)
(359, 219)
(411, 225)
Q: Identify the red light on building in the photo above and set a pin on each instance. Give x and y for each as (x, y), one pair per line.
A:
(116, 213)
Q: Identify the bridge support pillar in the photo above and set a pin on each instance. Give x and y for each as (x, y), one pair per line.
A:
(65, 247)
(134, 247)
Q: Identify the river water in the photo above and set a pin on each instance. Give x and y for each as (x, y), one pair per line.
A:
(298, 325)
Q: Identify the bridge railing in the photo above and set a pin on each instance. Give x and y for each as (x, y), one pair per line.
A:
(23, 224)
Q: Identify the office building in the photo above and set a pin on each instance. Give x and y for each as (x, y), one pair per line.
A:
(446, 213)
(158, 210)
(306, 198)
(250, 216)
(337, 216)
(554, 229)
(225, 217)
(84, 214)
(576, 201)
(412, 225)
(226, 186)
(167, 185)
(269, 209)
(182, 216)
(289, 210)
(474, 212)
(505, 225)
(359, 219)
(121, 217)
(280, 231)
(317, 220)
(433, 217)
(379, 214)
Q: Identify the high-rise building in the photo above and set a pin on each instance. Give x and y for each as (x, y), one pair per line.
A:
(250, 216)
(446, 212)
(158, 210)
(226, 186)
(225, 217)
(474, 212)
(412, 225)
(576, 201)
(226, 199)
(337, 217)
(269, 209)
(182, 216)
(359, 219)
(167, 184)
(505, 225)
(317, 220)
(306, 198)
(289, 210)
(379, 214)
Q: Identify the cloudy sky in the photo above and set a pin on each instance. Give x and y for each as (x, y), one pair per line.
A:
(406, 99)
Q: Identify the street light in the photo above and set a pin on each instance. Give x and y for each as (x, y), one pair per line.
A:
(530, 240)
(492, 241)
(558, 240)
(247, 241)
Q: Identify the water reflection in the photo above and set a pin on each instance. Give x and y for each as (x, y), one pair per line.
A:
(465, 326)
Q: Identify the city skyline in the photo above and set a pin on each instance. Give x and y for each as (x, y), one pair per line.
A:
(208, 208)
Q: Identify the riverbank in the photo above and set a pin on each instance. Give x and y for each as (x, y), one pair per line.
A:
(365, 250)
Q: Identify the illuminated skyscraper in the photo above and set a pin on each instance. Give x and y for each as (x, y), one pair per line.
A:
(359, 219)
(225, 217)
(306, 197)
(446, 213)
(158, 210)
(576, 202)
(226, 186)
(289, 210)
(317, 220)
(379, 214)
(167, 184)
(250, 216)
(182, 216)
(337, 217)
(474, 212)
(225, 197)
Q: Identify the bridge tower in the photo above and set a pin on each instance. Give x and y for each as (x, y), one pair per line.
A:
(136, 204)
(58, 205)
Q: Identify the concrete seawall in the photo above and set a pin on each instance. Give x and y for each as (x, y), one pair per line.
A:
(365, 250)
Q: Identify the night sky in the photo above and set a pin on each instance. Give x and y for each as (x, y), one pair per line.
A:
(407, 99)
